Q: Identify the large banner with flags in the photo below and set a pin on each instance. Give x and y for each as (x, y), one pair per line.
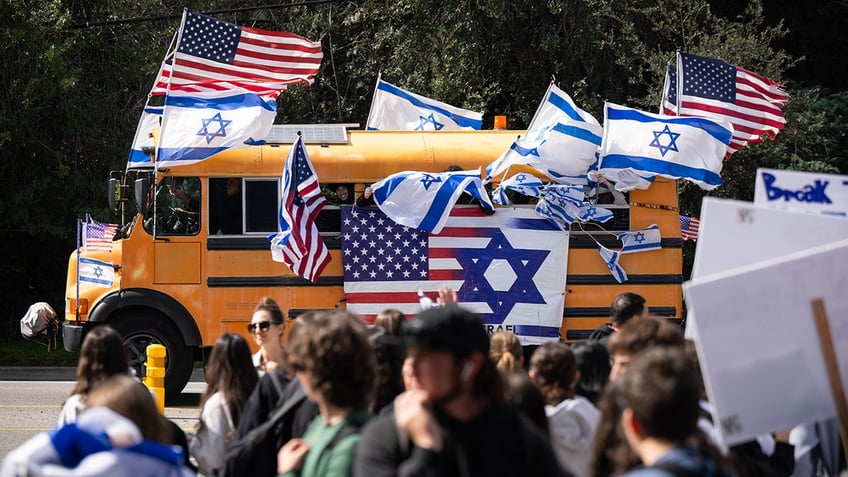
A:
(509, 268)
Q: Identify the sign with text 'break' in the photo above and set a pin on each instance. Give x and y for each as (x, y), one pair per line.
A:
(808, 191)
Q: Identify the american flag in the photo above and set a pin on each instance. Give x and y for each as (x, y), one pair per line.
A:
(97, 235)
(218, 55)
(299, 244)
(509, 268)
(718, 90)
(689, 227)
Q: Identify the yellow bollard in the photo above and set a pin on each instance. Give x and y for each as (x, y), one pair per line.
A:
(154, 378)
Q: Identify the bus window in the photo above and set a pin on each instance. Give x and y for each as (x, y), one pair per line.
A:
(177, 207)
(261, 203)
(225, 206)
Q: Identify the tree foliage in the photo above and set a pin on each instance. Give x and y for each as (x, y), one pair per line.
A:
(74, 93)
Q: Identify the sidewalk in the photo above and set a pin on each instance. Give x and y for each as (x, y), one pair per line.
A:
(47, 373)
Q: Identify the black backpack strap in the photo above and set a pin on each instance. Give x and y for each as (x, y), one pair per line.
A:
(278, 385)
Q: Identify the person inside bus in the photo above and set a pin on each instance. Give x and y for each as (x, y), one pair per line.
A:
(607, 194)
(344, 194)
(227, 214)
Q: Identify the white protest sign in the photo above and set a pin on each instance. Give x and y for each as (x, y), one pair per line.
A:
(809, 191)
(735, 233)
(757, 340)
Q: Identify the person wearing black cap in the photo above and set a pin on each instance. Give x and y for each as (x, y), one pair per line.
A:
(456, 424)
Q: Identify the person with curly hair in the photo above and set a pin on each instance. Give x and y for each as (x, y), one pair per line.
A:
(331, 355)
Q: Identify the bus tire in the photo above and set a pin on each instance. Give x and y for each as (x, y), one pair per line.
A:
(143, 327)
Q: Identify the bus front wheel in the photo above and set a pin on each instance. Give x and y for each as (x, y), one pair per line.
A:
(141, 328)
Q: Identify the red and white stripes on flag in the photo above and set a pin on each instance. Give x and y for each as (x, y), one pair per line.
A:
(689, 227)
(97, 235)
(298, 244)
(213, 54)
(714, 89)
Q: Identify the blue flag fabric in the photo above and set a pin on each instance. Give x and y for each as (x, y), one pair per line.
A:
(395, 109)
(560, 142)
(638, 146)
(641, 240)
(508, 268)
(150, 117)
(611, 259)
(423, 200)
(523, 183)
(198, 125)
(564, 205)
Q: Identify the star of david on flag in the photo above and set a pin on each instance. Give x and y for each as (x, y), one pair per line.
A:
(96, 272)
(638, 146)
(509, 268)
(564, 205)
(561, 142)
(196, 126)
(395, 109)
(641, 240)
(423, 200)
(523, 183)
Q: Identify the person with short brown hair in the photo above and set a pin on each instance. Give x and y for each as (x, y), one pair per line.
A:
(639, 335)
(331, 355)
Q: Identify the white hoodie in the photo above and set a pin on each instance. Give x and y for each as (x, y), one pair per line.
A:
(573, 424)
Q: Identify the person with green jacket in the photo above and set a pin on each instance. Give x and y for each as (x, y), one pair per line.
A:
(332, 356)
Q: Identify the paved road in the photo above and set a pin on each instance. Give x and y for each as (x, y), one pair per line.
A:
(31, 398)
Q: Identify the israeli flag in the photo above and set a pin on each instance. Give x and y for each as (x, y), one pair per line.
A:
(561, 142)
(395, 109)
(611, 259)
(198, 125)
(423, 200)
(564, 205)
(638, 146)
(96, 272)
(641, 240)
(523, 183)
(150, 117)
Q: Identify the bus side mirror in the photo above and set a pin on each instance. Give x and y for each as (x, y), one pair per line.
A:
(114, 193)
(142, 186)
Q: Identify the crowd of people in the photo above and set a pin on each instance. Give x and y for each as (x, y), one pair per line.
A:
(431, 396)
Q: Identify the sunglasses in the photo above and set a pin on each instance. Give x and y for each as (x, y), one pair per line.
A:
(262, 325)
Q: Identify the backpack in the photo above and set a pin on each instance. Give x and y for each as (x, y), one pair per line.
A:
(40, 322)
(254, 452)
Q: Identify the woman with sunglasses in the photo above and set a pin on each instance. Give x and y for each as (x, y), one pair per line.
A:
(267, 327)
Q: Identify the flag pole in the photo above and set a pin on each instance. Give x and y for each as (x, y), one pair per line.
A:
(679, 85)
(374, 96)
(79, 250)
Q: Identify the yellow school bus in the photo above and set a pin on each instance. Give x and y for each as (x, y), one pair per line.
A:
(195, 261)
